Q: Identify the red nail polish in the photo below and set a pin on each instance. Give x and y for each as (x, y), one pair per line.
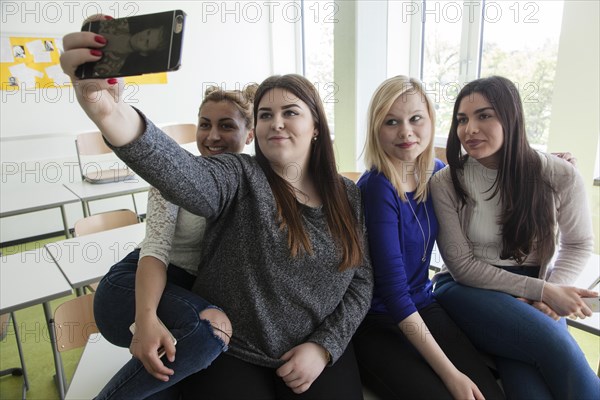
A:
(99, 39)
(96, 53)
(112, 81)
(108, 17)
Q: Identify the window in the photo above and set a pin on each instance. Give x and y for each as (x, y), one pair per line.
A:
(317, 32)
(523, 48)
(466, 40)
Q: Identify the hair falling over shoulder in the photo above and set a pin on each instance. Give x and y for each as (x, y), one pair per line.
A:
(341, 219)
(528, 218)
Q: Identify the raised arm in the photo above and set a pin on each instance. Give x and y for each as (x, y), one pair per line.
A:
(100, 99)
(159, 160)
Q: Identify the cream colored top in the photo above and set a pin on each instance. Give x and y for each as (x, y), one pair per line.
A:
(173, 235)
(469, 236)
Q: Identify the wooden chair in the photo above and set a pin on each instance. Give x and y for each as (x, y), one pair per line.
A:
(92, 144)
(103, 222)
(73, 324)
(353, 176)
(440, 152)
(181, 133)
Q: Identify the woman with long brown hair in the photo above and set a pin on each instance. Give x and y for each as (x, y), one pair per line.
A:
(501, 207)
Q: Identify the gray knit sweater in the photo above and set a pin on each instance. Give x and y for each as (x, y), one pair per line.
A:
(274, 301)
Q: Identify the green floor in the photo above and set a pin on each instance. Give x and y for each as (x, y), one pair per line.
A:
(40, 365)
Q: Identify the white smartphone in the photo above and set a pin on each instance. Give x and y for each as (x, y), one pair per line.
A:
(593, 303)
(161, 350)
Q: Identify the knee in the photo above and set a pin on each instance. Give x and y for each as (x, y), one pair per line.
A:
(220, 323)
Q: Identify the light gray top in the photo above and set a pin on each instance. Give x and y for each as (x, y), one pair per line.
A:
(274, 301)
(173, 235)
(470, 257)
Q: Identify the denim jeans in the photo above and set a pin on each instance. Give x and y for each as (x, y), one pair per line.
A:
(179, 309)
(536, 356)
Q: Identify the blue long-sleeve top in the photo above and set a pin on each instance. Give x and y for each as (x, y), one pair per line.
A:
(402, 284)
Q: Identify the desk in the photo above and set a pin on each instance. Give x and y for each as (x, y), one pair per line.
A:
(23, 198)
(18, 290)
(86, 259)
(99, 362)
(588, 280)
(87, 192)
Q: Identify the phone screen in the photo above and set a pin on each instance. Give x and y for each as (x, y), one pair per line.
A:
(137, 45)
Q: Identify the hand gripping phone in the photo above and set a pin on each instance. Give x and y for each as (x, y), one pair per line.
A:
(161, 350)
(136, 45)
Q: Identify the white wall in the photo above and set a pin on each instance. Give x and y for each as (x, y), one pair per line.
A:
(225, 43)
(575, 120)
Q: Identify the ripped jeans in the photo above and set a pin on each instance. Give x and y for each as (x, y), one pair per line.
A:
(179, 309)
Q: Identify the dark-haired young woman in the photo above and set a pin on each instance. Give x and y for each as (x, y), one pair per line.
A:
(285, 247)
(501, 207)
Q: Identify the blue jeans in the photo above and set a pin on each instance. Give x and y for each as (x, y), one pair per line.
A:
(536, 356)
(179, 309)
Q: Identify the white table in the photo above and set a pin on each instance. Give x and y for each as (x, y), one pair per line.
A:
(589, 276)
(99, 362)
(86, 259)
(88, 192)
(27, 279)
(27, 197)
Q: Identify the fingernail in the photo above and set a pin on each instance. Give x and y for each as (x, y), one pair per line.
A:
(108, 17)
(112, 81)
(96, 53)
(99, 39)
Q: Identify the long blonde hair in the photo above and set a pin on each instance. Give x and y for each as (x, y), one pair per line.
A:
(375, 157)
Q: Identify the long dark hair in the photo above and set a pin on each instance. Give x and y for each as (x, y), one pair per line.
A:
(527, 217)
(341, 220)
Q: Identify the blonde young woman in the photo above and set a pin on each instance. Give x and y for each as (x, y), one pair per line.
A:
(407, 346)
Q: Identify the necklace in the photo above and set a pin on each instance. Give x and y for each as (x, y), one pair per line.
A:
(425, 245)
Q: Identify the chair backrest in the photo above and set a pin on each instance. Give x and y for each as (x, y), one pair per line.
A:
(353, 176)
(440, 152)
(74, 322)
(181, 133)
(91, 144)
(104, 221)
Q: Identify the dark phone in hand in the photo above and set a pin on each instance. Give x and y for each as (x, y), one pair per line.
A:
(138, 45)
